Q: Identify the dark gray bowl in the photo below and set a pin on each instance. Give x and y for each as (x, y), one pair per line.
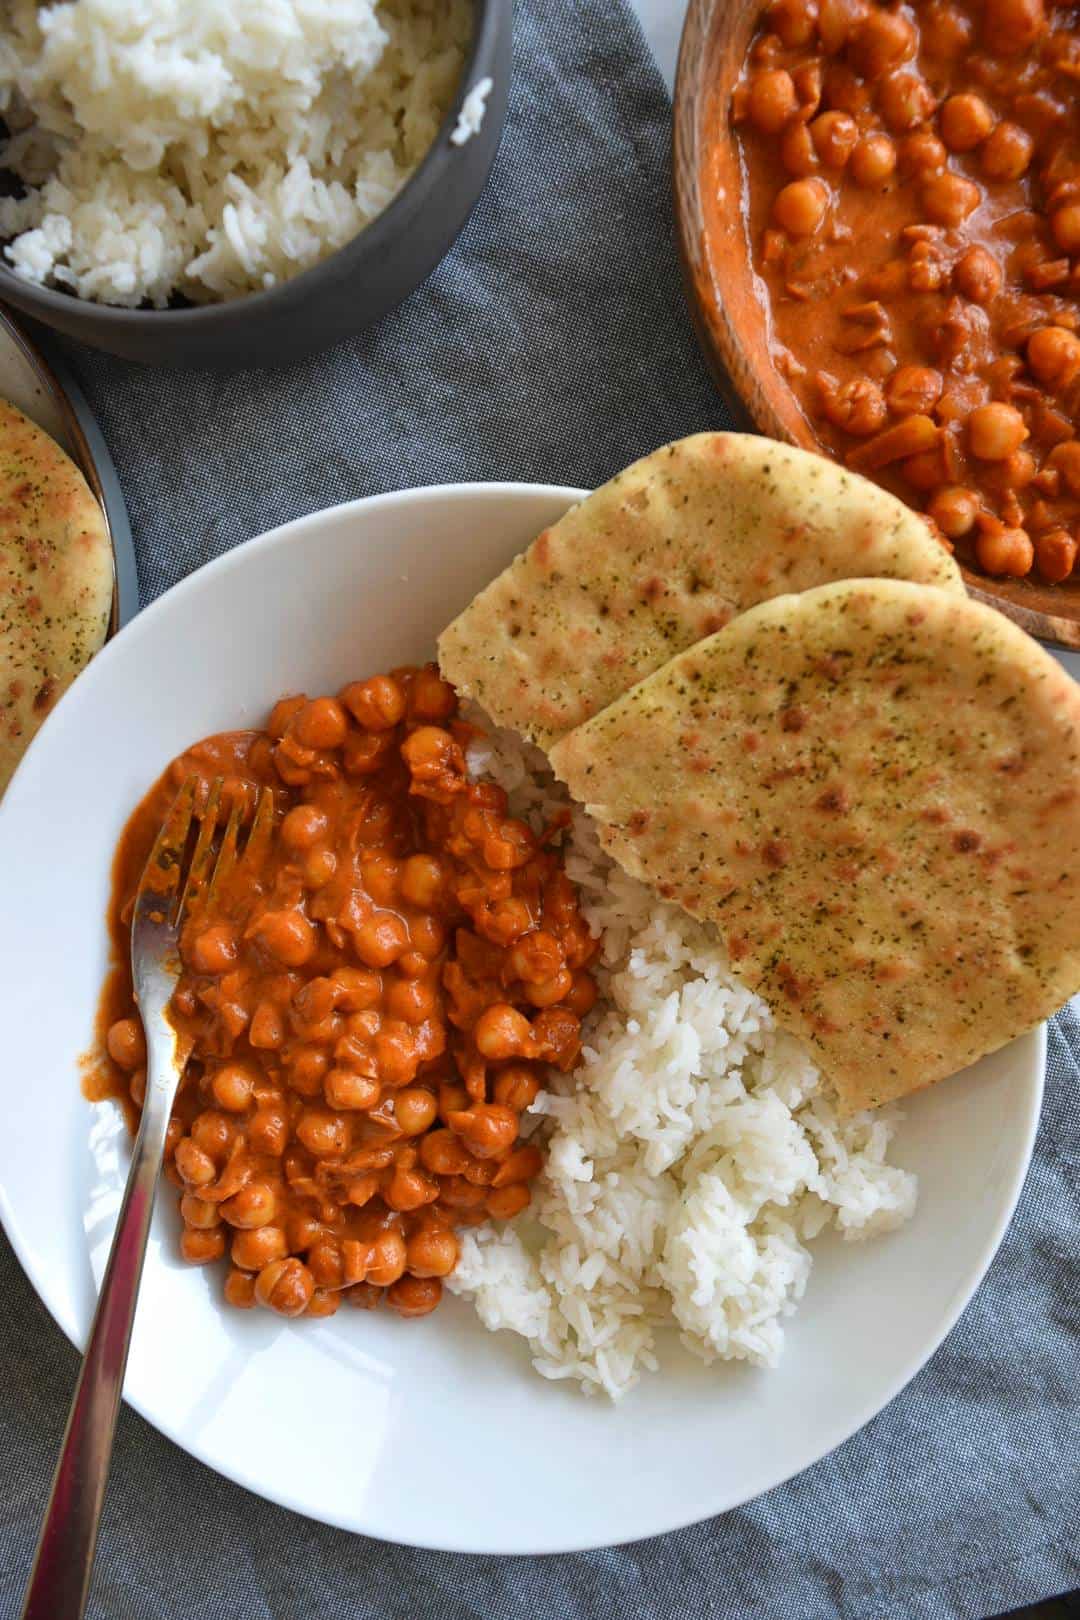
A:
(336, 298)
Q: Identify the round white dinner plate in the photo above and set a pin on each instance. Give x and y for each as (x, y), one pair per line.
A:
(431, 1432)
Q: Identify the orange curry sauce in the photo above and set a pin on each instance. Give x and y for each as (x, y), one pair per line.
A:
(912, 197)
(370, 1005)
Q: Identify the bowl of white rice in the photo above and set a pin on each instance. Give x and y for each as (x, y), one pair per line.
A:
(241, 185)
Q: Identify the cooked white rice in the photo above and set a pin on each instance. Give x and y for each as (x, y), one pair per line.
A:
(692, 1155)
(209, 149)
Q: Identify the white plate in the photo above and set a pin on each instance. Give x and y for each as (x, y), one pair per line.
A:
(430, 1432)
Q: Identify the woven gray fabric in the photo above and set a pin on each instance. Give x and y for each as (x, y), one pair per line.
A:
(553, 344)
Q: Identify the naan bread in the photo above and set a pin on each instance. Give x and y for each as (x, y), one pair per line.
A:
(56, 579)
(873, 790)
(666, 553)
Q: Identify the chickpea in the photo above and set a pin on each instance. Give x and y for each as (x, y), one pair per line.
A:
(442, 1152)
(946, 32)
(411, 1000)
(240, 1290)
(320, 724)
(322, 1132)
(197, 1212)
(214, 1132)
(925, 470)
(1007, 152)
(502, 1032)
(954, 510)
(1064, 459)
(772, 100)
(254, 1205)
(255, 1248)
(285, 1286)
(427, 935)
(1055, 555)
(977, 275)
(546, 992)
(268, 1131)
(201, 1248)
(327, 1263)
(387, 1260)
(1013, 473)
(1005, 551)
(137, 1087)
(856, 407)
(503, 1203)
(303, 827)
(949, 198)
(800, 206)
(1053, 356)
(214, 950)
(873, 161)
(430, 697)
(521, 1165)
(883, 40)
(517, 1086)
(381, 938)
(303, 1231)
(414, 1296)
(837, 21)
(797, 152)
(381, 875)
(195, 1166)
(323, 1303)
(281, 715)
(965, 121)
(905, 100)
(319, 866)
(423, 878)
(1011, 27)
(995, 431)
(288, 936)
(397, 1053)
(583, 993)
(913, 388)
(793, 21)
(430, 752)
(432, 1252)
(414, 1110)
(366, 752)
(487, 1129)
(834, 135)
(377, 704)
(408, 1190)
(345, 1090)
(921, 153)
(266, 1032)
(233, 1086)
(126, 1043)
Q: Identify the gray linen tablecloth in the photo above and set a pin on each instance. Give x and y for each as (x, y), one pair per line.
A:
(553, 345)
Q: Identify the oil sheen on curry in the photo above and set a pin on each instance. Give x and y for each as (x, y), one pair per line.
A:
(911, 179)
(369, 1010)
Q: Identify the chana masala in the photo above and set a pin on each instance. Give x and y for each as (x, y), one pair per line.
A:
(912, 197)
(369, 1004)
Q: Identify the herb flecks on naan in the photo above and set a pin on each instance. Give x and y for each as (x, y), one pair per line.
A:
(873, 790)
(56, 579)
(665, 554)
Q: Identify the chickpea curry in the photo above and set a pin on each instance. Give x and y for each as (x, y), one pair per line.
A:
(912, 196)
(368, 1011)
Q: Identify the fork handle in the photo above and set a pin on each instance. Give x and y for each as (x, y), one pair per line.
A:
(60, 1577)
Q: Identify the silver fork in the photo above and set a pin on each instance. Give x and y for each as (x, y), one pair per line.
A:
(170, 887)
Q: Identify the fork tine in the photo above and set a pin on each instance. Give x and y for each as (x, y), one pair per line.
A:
(262, 827)
(161, 877)
(227, 853)
(203, 855)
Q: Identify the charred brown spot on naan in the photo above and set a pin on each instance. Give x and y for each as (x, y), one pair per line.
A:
(901, 901)
(664, 555)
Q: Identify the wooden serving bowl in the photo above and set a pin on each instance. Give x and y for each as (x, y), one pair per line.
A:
(728, 314)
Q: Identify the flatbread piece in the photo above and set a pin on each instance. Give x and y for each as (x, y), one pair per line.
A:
(56, 579)
(663, 555)
(873, 790)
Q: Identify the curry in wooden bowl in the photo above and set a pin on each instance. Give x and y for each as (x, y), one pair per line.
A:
(879, 218)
